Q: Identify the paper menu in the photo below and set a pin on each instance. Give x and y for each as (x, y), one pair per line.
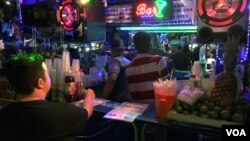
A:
(97, 101)
(127, 111)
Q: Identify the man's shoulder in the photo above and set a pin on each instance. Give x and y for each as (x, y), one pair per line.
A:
(114, 61)
(145, 60)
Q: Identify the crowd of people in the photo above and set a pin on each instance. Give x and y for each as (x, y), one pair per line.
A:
(31, 117)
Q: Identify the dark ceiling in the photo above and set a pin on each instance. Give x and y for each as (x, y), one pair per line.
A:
(10, 11)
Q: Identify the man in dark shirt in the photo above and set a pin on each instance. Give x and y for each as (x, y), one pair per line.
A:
(181, 60)
(32, 118)
(116, 86)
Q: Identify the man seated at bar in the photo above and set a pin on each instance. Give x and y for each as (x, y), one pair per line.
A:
(144, 69)
(31, 117)
(116, 86)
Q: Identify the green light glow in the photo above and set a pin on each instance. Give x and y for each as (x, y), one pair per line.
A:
(160, 6)
(162, 28)
(173, 31)
(29, 57)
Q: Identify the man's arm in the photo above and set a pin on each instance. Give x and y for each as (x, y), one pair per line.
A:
(88, 101)
(163, 69)
(114, 70)
(109, 86)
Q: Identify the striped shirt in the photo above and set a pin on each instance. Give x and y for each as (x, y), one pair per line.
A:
(142, 72)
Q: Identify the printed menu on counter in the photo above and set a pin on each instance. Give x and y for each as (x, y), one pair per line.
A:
(127, 111)
(97, 101)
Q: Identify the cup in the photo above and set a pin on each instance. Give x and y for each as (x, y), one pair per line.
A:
(48, 62)
(164, 103)
(197, 70)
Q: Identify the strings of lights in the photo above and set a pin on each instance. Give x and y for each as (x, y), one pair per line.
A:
(184, 22)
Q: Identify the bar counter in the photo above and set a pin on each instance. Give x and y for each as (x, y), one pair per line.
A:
(171, 128)
(175, 130)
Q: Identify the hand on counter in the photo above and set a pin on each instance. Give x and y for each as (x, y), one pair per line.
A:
(89, 93)
(88, 101)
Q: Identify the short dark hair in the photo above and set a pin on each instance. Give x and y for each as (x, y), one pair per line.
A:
(23, 72)
(117, 44)
(115, 33)
(142, 41)
(235, 30)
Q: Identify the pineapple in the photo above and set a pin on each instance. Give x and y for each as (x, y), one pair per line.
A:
(226, 85)
(224, 92)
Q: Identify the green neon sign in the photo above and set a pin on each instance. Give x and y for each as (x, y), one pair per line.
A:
(161, 4)
(150, 10)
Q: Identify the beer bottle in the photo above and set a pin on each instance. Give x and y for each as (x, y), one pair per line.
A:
(70, 87)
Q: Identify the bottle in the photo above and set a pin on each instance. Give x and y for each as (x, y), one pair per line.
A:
(80, 85)
(70, 87)
(202, 62)
(207, 84)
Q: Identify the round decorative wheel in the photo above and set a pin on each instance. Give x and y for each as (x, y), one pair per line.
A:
(220, 13)
(68, 15)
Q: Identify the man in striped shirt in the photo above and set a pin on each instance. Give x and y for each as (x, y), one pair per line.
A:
(144, 69)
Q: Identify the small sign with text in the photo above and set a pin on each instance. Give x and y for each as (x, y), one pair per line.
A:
(241, 132)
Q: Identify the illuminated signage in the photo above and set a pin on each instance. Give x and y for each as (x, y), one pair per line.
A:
(150, 10)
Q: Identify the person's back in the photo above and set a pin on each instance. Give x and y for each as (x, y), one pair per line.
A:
(31, 118)
(181, 61)
(144, 69)
(41, 120)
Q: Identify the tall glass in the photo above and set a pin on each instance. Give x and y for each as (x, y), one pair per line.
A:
(165, 97)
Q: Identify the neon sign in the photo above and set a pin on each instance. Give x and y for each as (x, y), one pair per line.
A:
(153, 9)
(160, 6)
(143, 10)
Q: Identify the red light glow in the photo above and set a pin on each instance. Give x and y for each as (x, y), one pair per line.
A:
(143, 9)
(68, 15)
(243, 6)
(221, 12)
(200, 10)
(227, 22)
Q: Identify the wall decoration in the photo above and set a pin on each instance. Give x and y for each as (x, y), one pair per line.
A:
(219, 13)
(68, 15)
(119, 14)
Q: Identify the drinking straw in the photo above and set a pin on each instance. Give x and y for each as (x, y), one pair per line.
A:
(160, 80)
(171, 74)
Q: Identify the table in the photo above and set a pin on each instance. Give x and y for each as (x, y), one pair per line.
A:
(170, 129)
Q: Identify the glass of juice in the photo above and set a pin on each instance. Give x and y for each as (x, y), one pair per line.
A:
(164, 103)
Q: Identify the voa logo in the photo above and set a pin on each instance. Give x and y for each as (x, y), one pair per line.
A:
(236, 132)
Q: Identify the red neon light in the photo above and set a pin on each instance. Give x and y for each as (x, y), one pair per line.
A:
(143, 9)
(68, 15)
(200, 10)
(243, 6)
(227, 22)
